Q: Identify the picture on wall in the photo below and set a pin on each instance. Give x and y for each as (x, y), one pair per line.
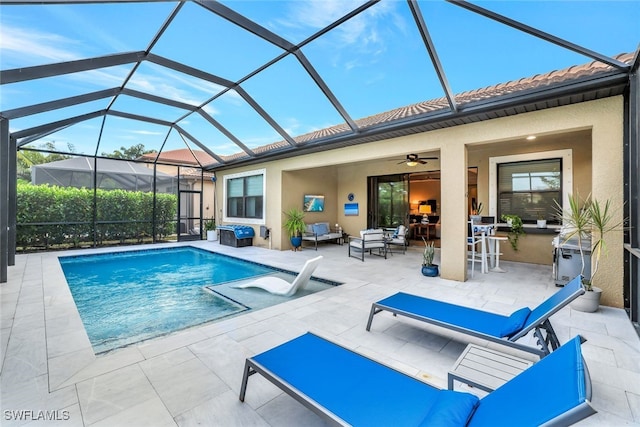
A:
(351, 209)
(313, 203)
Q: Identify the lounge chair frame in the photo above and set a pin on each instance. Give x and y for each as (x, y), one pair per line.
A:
(252, 367)
(543, 331)
(271, 373)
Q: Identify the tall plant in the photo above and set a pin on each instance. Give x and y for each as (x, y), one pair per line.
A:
(294, 224)
(428, 254)
(586, 218)
(602, 222)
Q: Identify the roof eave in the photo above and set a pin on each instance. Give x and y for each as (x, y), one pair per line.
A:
(598, 86)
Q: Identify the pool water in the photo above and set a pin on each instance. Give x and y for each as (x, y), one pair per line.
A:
(127, 297)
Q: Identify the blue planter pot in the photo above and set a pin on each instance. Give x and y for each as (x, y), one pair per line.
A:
(296, 242)
(430, 270)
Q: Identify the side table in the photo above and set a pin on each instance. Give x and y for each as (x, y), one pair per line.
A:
(485, 368)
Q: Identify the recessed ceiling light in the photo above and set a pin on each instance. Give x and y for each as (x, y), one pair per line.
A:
(531, 137)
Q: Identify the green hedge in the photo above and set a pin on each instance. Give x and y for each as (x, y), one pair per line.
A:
(50, 215)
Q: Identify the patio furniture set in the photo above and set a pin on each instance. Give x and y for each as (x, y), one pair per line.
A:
(346, 388)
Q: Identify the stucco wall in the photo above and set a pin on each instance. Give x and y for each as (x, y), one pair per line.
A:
(602, 119)
(321, 181)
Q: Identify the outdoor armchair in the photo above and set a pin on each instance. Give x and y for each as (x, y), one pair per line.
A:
(372, 241)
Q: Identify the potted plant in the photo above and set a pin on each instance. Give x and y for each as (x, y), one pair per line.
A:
(516, 229)
(583, 219)
(210, 227)
(295, 226)
(476, 211)
(541, 222)
(429, 269)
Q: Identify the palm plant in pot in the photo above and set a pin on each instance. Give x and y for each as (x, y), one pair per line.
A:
(295, 226)
(584, 219)
(429, 269)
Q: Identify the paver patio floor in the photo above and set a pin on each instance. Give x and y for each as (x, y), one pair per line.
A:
(192, 377)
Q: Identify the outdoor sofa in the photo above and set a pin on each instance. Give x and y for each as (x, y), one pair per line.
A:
(321, 232)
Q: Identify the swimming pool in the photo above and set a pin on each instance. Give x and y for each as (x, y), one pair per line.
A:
(127, 297)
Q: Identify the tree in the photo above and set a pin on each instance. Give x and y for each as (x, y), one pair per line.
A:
(27, 158)
(130, 153)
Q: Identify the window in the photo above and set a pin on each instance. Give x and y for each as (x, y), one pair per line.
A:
(531, 183)
(530, 189)
(244, 196)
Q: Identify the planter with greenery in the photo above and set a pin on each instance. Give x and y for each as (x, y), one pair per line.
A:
(583, 219)
(429, 269)
(516, 229)
(476, 212)
(210, 227)
(541, 222)
(295, 226)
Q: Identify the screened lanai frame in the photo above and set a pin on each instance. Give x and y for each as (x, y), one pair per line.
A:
(346, 128)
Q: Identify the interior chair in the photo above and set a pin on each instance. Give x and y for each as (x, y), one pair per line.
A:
(473, 254)
(371, 241)
(400, 237)
(346, 388)
(279, 286)
(488, 219)
(486, 325)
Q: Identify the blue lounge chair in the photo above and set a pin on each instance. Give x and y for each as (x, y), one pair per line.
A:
(346, 388)
(483, 324)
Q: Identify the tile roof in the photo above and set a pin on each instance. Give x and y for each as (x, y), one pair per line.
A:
(181, 156)
(538, 81)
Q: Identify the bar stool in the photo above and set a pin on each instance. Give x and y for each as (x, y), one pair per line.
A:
(477, 236)
(495, 246)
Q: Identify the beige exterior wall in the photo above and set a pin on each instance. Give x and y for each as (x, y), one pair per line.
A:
(592, 130)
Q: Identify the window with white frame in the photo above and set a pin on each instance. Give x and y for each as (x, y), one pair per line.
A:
(244, 196)
(530, 189)
(530, 185)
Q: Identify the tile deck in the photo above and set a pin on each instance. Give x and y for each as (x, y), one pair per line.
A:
(192, 377)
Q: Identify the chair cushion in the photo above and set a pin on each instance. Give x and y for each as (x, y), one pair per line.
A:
(374, 234)
(515, 322)
(321, 228)
(450, 408)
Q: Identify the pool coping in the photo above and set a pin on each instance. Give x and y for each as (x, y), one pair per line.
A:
(70, 355)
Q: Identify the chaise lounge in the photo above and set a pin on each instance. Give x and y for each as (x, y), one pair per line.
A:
(278, 286)
(483, 324)
(346, 388)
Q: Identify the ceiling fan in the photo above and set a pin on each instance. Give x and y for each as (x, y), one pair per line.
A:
(414, 160)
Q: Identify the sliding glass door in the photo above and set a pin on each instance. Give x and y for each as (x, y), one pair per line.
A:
(388, 201)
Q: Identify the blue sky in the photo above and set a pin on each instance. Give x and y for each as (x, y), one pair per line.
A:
(373, 63)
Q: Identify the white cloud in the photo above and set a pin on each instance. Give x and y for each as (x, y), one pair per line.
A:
(364, 36)
(146, 132)
(28, 45)
(173, 85)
